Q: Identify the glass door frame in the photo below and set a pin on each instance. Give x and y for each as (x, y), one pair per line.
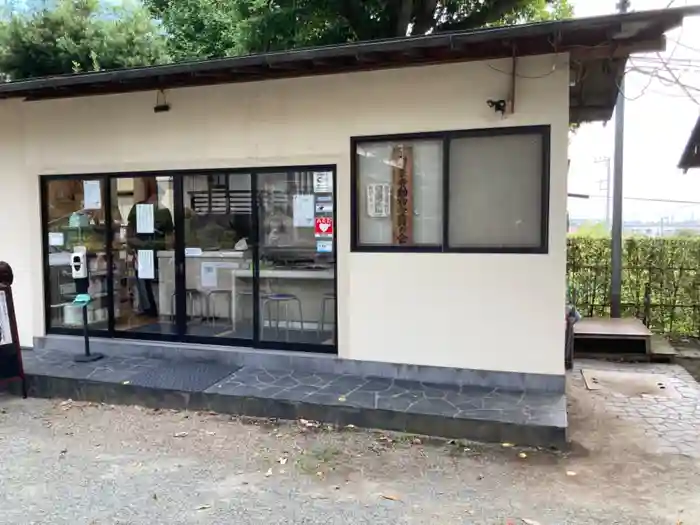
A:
(180, 334)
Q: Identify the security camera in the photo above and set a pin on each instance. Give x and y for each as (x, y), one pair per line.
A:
(499, 106)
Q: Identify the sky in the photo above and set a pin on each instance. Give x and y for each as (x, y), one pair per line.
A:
(658, 119)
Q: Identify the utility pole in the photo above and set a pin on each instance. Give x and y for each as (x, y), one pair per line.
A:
(616, 242)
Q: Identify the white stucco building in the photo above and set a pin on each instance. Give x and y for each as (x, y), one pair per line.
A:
(446, 247)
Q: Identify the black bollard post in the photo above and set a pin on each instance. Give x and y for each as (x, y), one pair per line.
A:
(84, 300)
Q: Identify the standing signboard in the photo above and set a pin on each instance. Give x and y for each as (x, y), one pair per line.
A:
(11, 368)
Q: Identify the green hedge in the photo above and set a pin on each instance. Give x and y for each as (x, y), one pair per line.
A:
(660, 280)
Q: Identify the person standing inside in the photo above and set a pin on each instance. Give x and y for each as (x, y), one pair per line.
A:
(163, 227)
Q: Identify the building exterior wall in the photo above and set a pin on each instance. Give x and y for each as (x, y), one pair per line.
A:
(481, 311)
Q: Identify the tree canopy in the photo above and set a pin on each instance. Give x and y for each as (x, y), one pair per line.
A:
(216, 28)
(51, 37)
(78, 35)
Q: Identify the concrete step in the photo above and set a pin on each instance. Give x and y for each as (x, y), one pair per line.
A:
(445, 410)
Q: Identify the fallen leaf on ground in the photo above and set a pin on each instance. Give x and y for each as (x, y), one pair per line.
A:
(527, 521)
(507, 445)
(390, 497)
(180, 434)
(570, 473)
(155, 497)
(204, 507)
(522, 455)
(268, 473)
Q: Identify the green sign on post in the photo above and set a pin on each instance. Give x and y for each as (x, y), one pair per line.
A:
(82, 299)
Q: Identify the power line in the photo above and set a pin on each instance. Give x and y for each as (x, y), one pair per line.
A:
(682, 86)
(686, 46)
(668, 81)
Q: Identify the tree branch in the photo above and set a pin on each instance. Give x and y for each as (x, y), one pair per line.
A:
(424, 17)
(405, 14)
(491, 11)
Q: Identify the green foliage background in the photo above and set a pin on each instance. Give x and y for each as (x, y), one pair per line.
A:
(660, 281)
(50, 37)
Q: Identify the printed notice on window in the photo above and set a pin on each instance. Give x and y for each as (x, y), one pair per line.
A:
(56, 239)
(5, 327)
(92, 195)
(145, 222)
(209, 275)
(323, 182)
(304, 211)
(146, 264)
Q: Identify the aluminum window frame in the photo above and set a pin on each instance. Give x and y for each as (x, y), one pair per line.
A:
(446, 137)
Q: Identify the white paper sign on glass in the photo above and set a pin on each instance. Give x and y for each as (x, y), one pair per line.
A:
(56, 239)
(145, 222)
(323, 182)
(324, 246)
(146, 264)
(378, 200)
(322, 207)
(92, 195)
(303, 211)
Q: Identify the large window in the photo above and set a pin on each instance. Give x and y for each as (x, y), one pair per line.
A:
(242, 257)
(468, 191)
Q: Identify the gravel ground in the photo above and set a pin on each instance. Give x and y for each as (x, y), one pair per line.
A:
(77, 463)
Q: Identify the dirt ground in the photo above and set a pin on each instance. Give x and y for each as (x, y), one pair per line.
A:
(76, 463)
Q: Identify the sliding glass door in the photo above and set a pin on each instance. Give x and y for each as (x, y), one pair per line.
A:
(297, 266)
(143, 254)
(244, 257)
(218, 280)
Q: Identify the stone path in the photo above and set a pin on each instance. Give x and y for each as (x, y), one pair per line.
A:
(454, 411)
(664, 425)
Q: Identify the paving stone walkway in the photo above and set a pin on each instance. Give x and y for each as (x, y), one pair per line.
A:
(454, 411)
(670, 425)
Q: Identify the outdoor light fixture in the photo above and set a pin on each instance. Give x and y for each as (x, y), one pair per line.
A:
(161, 103)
